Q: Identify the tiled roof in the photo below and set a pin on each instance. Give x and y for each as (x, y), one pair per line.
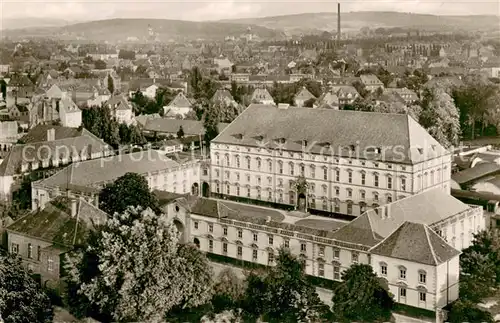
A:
(55, 224)
(370, 79)
(304, 94)
(405, 141)
(94, 172)
(415, 242)
(475, 173)
(39, 133)
(429, 207)
(261, 95)
(47, 150)
(359, 231)
(180, 101)
(120, 102)
(165, 125)
(222, 95)
(328, 98)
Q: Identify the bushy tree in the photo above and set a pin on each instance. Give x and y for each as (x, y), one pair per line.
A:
(21, 298)
(130, 189)
(361, 296)
(467, 311)
(111, 85)
(180, 133)
(143, 272)
(228, 291)
(483, 253)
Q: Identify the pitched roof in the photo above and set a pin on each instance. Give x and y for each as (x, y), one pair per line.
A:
(304, 94)
(429, 207)
(261, 94)
(93, 173)
(475, 173)
(404, 142)
(370, 79)
(39, 133)
(46, 151)
(359, 231)
(55, 224)
(328, 98)
(415, 242)
(180, 101)
(119, 102)
(222, 95)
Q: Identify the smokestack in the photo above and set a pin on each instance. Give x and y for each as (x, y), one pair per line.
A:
(338, 24)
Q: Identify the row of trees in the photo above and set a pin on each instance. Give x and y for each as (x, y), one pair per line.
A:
(100, 122)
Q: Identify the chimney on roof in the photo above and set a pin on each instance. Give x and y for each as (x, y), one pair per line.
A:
(73, 207)
(51, 134)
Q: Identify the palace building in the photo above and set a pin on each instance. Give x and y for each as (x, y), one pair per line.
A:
(331, 161)
(413, 243)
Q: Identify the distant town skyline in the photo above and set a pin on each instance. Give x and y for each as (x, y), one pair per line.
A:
(201, 10)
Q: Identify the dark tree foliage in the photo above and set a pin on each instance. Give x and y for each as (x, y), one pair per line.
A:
(111, 85)
(466, 311)
(361, 296)
(180, 133)
(100, 64)
(129, 190)
(21, 298)
(486, 244)
(126, 54)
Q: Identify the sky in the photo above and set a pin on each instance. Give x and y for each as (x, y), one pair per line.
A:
(84, 10)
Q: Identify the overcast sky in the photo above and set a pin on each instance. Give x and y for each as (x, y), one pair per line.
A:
(227, 9)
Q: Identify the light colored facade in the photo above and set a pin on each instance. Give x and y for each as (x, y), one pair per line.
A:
(265, 162)
(180, 105)
(69, 113)
(371, 82)
(422, 263)
(87, 178)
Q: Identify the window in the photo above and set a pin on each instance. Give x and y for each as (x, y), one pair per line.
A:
(287, 243)
(196, 225)
(325, 189)
(210, 228)
(240, 234)
(325, 204)
(225, 231)
(336, 207)
(224, 247)
(248, 177)
(375, 196)
(321, 270)
(302, 170)
(313, 171)
(402, 273)
(349, 208)
(205, 171)
(216, 173)
(30, 251)
(280, 164)
(259, 163)
(383, 269)
(422, 277)
(227, 161)
(291, 168)
(228, 189)
(254, 255)
(362, 194)
(389, 199)
(248, 191)
(349, 176)
(238, 190)
(270, 166)
(337, 175)
(217, 159)
(270, 258)
(389, 182)
(375, 180)
(354, 258)
(321, 251)
(50, 264)
(337, 191)
(422, 296)
(237, 176)
(217, 188)
(271, 240)
(259, 197)
(255, 237)
(248, 162)
(258, 180)
(336, 272)
(303, 247)
(363, 178)
(403, 184)
(362, 207)
(240, 251)
(210, 245)
(336, 253)
(349, 192)
(14, 249)
(402, 292)
(238, 161)
(269, 180)
(39, 253)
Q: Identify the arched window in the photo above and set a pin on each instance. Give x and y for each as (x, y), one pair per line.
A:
(217, 160)
(237, 161)
(375, 179)
(291, 166)
(349, 176)
(259, 163)
(349, 207)
(325, 204)
(422, 276)
(362, 207)
(248, 161)
(270, 165)
(228, 163)
(313, 171)
(280, 166)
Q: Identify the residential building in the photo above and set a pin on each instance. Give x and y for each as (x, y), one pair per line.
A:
(349, 160)
(347, 94)
(87, 178)
(42, 237)
(327, 100)
(371, 82)
(262, 96)
(302, 97)
(44, 157)
(180, 105)
(170, 127)
(69, 113)
(8, 136)
(121, 109)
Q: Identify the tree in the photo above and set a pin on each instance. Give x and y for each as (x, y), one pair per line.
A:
(309, 103)
(466, 311)
(440, 117)
(285, 295)
(143, 270)
(3, 88)
(228, 291)
(100, 65)
(111, 85)
(486, 244)
(361, 296)
(130, 189)
(180, 133)
(21, 299)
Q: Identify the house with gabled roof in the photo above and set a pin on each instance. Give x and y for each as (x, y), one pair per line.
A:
(42, 237)
(262, 96)
(327, 100)
(371, 82)
(302, 96)
(180, 105)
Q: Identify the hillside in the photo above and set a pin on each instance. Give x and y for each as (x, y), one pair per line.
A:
(121, 29)
(353, 21)
(31, 22)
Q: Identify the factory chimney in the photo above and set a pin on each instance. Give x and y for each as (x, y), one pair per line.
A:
(338, 24)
